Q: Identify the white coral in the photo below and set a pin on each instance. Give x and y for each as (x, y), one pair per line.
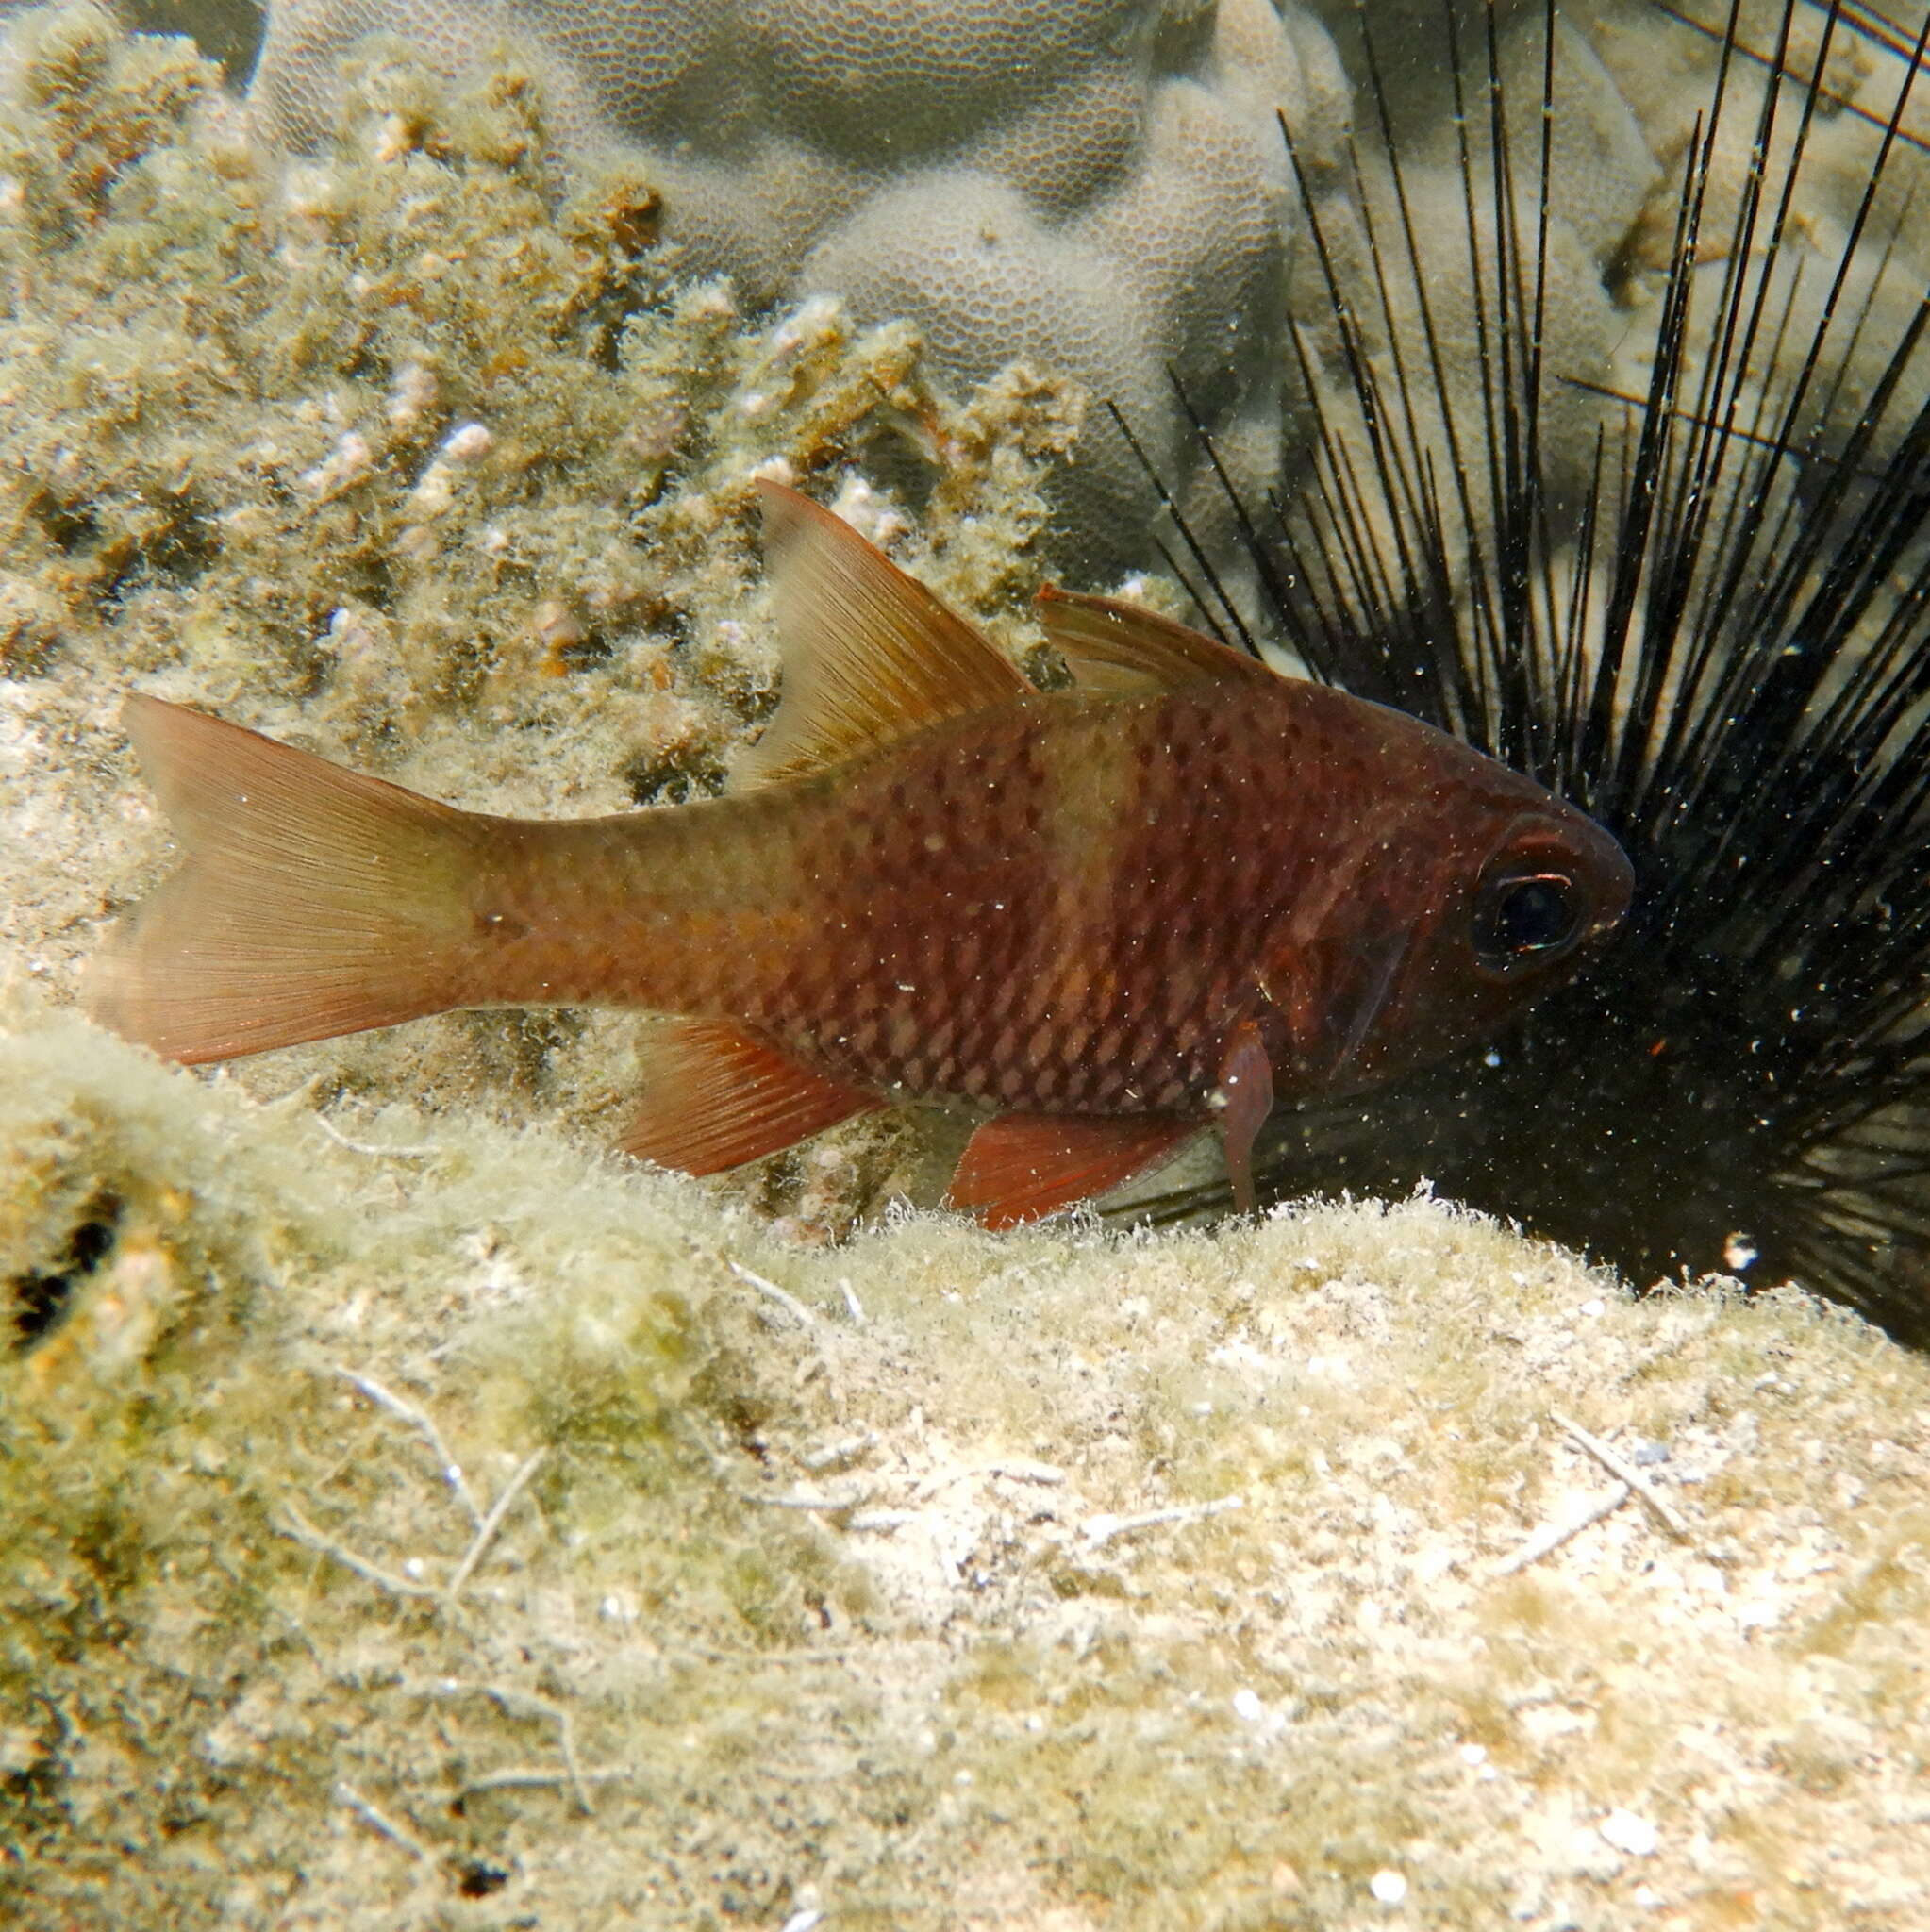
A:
(1096, 185)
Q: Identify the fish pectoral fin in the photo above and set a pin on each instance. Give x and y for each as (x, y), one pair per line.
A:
(1123, 650)
(1331, 999)
(715, 1099)
(869, 654)
(1244, 1098)
(1025, 1165)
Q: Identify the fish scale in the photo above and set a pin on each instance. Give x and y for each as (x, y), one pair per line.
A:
(1014, 996)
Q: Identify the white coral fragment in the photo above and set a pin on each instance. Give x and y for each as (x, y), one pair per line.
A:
(348, 463)
(1627, 1832)
(870, 512)
(468, 442)
(412, 393)
(435, 492)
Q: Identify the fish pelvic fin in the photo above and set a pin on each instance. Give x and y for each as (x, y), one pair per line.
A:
(1023, 1166)
(312, 901)
(869, 654)
(714, 1099)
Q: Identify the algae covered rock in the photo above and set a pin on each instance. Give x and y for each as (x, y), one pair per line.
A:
(395, 454)
(434, 1520)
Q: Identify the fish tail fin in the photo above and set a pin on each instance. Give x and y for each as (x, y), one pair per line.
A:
(312, 900)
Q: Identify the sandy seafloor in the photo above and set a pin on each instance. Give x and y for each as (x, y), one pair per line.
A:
(411, 1517)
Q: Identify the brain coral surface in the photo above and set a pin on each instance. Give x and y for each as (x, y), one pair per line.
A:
(1098, 186)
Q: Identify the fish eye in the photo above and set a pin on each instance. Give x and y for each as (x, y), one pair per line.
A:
(1521, 917)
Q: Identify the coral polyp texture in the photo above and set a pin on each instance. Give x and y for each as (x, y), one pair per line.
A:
(1096, 186)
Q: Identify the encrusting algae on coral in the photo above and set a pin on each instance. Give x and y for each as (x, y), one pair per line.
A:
(1105, 915)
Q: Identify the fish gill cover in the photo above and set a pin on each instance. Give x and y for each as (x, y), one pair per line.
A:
(413, 1519)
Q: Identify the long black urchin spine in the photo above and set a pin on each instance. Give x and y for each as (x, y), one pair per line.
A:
(1719, 645)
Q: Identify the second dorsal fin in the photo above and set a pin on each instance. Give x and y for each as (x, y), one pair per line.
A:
(869, 652)
(1125, 650)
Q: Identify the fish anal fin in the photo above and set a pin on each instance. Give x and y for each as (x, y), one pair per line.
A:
(1124, 650)
(1025, 1165)
(714, 1099)
(869, 654)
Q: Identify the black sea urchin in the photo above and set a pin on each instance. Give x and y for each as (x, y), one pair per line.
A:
(1721, 649)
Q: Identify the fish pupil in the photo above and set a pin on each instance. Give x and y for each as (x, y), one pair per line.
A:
(1522, 917)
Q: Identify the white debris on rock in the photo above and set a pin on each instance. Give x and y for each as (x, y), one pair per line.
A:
(1388, 1887)
(1629, 1833)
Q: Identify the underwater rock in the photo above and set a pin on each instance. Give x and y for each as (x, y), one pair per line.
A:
(388, 453)
(414, 1517)
(1097, 187)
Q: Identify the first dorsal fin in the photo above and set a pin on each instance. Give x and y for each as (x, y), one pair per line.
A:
(869, 652)
(1125, 650)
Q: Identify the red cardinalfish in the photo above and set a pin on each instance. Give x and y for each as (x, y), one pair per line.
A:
(1102, 918)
